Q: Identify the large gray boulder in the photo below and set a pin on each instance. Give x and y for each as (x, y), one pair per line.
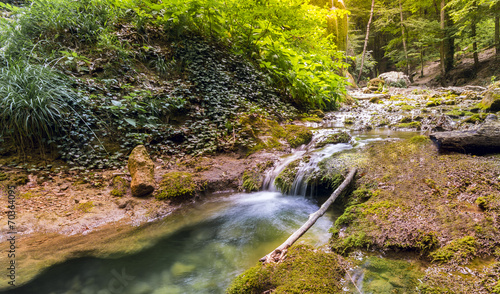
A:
(483, 140)
(395, 79)
(141, 168)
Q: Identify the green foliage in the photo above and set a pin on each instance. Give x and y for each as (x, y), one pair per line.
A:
(458, 251)
(34, 102)
(252, 180)
(286, 38)
(176, 186)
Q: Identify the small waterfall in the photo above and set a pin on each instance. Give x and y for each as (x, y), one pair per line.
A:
(300, 186)
(272, 174)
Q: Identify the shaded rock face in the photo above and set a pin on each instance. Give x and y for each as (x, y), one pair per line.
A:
(491, 100)
(485, 139)
(141, 169)
(395, 79)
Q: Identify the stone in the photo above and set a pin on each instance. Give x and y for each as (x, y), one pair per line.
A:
(141, 168)
(375, 84)
(491, 100)
(395, 79)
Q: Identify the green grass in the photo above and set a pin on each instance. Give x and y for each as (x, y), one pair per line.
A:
(34, 102)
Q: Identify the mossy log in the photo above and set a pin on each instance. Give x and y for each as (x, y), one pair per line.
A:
(483, 140)
(279, 253)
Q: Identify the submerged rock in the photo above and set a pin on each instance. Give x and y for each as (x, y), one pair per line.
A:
(141, 169)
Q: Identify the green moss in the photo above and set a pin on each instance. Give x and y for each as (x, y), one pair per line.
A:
(85, 206)
(478, 117)
(458, 113)
(434, 102)
(487, 203)
(305, 270)
(361, 195)
(374, 100)
(297, 135)
(349, 120)
(411, 125)
(28, 195)
(176, 185)
(419, 139)
(120, 186)
(3, 177)
(311, 119)
(407, 107)
(252, 181)
(286, 177)
(342, 137)
(459, 251)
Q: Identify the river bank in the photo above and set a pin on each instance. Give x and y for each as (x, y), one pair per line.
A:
(77, 209)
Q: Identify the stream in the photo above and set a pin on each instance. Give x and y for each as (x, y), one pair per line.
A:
(217, 239)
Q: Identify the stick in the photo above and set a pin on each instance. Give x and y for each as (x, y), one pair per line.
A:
(279, 253)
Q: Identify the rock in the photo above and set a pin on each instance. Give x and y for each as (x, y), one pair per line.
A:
(485, 139)
(375, 84)
(395, 79)
(491, 100)
(351, 81)
(141, 169)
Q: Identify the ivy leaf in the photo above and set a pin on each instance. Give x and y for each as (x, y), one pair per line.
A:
(131, 121)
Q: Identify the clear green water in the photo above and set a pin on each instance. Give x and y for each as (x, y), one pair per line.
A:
(203, 256)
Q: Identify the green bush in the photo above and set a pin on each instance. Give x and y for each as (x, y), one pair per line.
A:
(34, 102)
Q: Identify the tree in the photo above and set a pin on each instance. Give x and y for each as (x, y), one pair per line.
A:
(366, 40)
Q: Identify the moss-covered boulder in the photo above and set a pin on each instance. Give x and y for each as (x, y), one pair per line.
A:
(120, 186)
(375, 84)
(141, 169)
(305, 270)
(284, 180)
(341, 137)
(491, 100)
(176, 186)
(298, 135)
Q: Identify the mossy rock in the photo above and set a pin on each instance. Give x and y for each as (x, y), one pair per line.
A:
(434, 103)
(120, 186)
(176, 186)
(376, 84)
(459, 251)
(252, 181)
(491, 100)
(304, 270)
(411, 125)
(342, 137)
(286, 177)
(298, 135)
(475, 118)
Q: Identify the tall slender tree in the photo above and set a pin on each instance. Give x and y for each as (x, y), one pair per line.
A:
(366, 40)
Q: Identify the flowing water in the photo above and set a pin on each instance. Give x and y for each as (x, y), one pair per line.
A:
(216, 240)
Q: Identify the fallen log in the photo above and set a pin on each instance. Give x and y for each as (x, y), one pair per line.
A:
(485, 139)
(279, 253)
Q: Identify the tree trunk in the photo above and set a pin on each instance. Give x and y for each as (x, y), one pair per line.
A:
(474, 44)
(366, 40)
(279, 253)
(473, 27)
(449, 52)
(497, 34)
(443, 35)
(481, 141)
(404, 40)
